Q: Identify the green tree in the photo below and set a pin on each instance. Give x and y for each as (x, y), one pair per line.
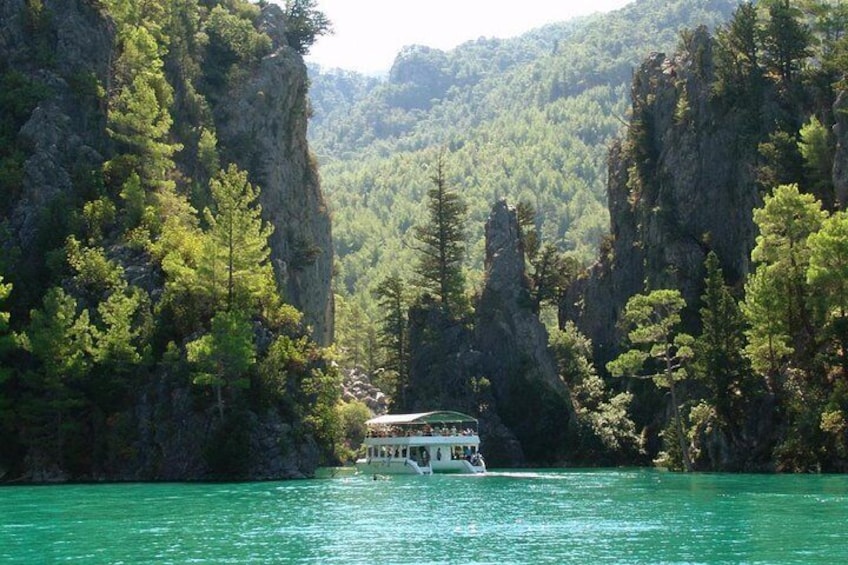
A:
(223, 357)
(785, 221)
(59, 339)
(392, 298)
(719, 360)
(305, 24)
(442, 239)
(653, 319)
(7, 339)
(785, 39)
(827, 276)
(8, 343)
(234, 268)
(738, 54)
(768, 336)
(607, 435)
(817, 152)
(139, 116)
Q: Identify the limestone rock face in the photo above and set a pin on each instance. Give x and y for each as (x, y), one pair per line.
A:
(65, 131)
(680, 186)
(263, 127)
(507, 329)
(532, 400)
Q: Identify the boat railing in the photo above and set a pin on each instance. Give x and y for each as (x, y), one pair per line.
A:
(397, 431)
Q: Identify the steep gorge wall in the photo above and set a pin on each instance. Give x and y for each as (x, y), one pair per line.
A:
(680, 185)
(263, 128)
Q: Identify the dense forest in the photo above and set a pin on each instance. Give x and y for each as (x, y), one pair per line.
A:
(607, 254)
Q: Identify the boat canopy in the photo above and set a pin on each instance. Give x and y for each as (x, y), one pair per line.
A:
(437, 417)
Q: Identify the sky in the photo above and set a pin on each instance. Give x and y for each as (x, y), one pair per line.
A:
(369, 33)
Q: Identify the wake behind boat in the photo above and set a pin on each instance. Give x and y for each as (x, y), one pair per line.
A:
(422, 444)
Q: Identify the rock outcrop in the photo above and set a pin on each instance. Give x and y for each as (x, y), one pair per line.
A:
(263, 127)
(681, 185)
(65, 132)
(532, 400)
(66, 50)
(498, 365)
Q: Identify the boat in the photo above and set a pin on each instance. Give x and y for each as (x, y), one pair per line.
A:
(422, 444)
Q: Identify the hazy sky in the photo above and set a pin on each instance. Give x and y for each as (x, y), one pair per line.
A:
(369, 33)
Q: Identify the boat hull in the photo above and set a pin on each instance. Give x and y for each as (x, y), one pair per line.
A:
(399, 466)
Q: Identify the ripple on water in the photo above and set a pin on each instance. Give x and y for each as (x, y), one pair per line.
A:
(599, 516)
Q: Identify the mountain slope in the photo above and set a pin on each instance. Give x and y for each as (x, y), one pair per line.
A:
(528, 118)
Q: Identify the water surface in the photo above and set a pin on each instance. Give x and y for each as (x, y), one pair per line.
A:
(606, 516)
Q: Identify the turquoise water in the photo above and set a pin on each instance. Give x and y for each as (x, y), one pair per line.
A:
(610, 516)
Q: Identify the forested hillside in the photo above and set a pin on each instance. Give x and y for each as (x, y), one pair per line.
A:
(529, 118)
(165, 249)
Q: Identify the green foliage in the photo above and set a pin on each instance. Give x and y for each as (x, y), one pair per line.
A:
(305, 24)
(235, 268)
(528, 118)
(442, 244)
(785, 39)
(8, 342)
(353, 416)
(785, 221)
(222, 357)
(225, 266)
(738, 73)
(827, 276)
(237, 34)
(815, 147)
(296, 373)
(139, 114)
(652, 320)
(607, 435)
(393, 300)
(719, 361)
(94, 274)
(59, 339)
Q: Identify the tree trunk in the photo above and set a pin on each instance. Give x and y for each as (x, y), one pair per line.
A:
(681, 437)
(220, 401)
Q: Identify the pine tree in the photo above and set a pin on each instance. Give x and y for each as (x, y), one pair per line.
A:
(223, 357)
(827, 276)
(391, 295)
(786, 40)
(442, 239)
(785, 221)
(234, 269)
(653, 319)
(719, 360)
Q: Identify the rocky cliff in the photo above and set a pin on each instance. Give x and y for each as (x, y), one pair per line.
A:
(263, 127)
(682, 183)
(498, 365)
(532, 399)
(59, 55)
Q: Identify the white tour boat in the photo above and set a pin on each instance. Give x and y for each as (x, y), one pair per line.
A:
(422, 444)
